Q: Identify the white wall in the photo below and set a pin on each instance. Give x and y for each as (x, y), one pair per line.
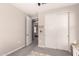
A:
(74, 23)
(41, 26)
(12, 28)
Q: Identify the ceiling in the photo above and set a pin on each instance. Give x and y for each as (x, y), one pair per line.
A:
(33, 8)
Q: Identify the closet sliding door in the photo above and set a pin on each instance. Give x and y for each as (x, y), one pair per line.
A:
(56, 30)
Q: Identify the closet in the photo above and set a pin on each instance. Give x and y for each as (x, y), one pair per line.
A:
(56, 30)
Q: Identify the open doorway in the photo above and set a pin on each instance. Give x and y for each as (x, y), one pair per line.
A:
(31, 29)
(35, 30)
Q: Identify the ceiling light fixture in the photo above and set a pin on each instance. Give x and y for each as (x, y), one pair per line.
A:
(39, 4)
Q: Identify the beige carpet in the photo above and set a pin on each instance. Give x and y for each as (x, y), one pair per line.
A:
(35, 53)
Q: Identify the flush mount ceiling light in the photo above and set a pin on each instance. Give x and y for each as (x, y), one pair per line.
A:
(39, 4)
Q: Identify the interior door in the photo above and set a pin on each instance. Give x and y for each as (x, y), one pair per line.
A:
(28, 30)
(56, 30)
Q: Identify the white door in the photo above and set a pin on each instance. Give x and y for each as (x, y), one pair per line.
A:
(28, 30)
(56, 30)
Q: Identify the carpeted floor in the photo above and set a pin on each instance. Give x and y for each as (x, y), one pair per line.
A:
(36, 53)
(33, 50)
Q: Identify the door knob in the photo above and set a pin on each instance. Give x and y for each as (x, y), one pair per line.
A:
(40, 30)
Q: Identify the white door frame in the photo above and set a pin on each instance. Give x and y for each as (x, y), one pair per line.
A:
(28, 34)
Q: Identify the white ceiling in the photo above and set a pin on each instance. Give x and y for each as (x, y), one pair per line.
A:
(33, 8)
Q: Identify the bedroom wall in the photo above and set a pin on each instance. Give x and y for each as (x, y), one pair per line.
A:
(12, 29)
(74, 23)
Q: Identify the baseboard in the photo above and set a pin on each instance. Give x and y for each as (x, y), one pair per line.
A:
(56, 49)
(6, 54)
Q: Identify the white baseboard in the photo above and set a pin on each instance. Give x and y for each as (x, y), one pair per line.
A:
(13, 51)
